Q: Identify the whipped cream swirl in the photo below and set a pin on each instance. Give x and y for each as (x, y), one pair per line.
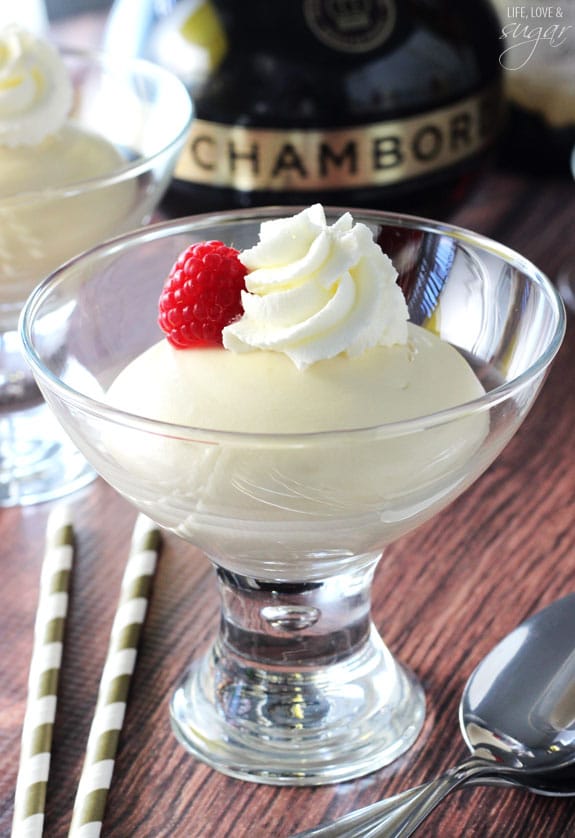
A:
(315, 291)
(35, 90)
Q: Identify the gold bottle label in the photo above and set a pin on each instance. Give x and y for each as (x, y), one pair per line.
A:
(373, 155)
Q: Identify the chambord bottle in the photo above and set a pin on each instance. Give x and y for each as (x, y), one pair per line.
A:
(389, 104)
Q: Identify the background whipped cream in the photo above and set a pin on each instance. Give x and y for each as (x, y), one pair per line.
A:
(315, 291)
(52, 205)
(35, 91)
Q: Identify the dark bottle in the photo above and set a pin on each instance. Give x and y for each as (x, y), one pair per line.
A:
(389, 104)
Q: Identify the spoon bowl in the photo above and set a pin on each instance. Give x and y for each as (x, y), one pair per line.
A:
(517, 716)
(518, 706)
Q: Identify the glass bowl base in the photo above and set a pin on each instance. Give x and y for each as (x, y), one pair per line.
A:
(311, 727)
(37, 460)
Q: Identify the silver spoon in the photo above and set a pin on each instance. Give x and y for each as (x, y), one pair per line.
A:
(517, 716)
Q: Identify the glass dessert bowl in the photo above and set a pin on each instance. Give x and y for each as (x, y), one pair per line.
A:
(298, 687)
(100, 172)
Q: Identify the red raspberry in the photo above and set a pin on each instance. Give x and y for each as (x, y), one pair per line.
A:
(201, 295)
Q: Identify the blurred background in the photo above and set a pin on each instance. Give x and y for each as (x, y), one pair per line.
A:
(392, 105)
(57, 9)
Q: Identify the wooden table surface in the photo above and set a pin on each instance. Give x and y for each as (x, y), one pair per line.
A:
(443, 596)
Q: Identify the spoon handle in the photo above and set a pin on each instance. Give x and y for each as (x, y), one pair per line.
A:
(407, 815)
(354, 822)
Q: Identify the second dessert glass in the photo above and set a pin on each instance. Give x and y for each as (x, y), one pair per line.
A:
(144, 112)
(298, 687)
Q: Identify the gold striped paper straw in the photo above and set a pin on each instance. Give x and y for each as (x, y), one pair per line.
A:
(37, 730)
(96, 777)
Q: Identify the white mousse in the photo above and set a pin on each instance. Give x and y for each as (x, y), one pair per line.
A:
(294, 507)
(264, 392)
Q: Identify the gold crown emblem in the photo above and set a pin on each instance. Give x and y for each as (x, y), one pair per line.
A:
(349, 14)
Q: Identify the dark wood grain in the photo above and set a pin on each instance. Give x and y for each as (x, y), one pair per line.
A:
(443, 597)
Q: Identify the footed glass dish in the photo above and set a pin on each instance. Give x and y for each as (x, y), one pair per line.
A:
(142, 113)
(298, 687)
